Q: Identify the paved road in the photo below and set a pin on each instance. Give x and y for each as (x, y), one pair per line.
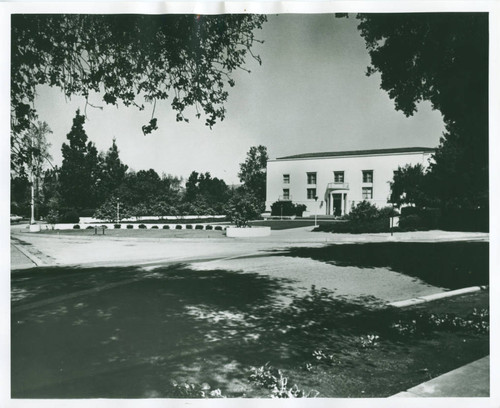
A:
(19, 260)
(257, 255)
(77, 249)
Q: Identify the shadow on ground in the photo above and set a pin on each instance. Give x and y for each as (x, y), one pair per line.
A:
(128, 333)
(451, 265)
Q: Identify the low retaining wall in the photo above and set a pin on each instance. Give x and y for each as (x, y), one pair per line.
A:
(136, 226)
(235, 232)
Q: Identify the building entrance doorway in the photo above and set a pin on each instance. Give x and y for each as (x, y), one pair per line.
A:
(337, 204)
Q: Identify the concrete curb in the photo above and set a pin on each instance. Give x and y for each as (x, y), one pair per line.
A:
(470, 380)
(436, 296)
(33, 258)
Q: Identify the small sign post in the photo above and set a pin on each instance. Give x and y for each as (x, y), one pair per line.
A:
(316, 213)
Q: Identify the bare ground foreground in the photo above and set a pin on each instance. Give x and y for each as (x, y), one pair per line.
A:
(119, 316)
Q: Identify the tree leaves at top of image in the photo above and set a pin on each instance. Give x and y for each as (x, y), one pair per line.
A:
(187, 59)
(441, 58)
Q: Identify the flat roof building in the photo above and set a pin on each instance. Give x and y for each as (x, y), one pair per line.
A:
(331, 183)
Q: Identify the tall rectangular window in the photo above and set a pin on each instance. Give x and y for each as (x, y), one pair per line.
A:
(311, 178)
(311, 193)
(367, 176)
(286, 178)
(338, 176)
(286, 194)
(367, 193)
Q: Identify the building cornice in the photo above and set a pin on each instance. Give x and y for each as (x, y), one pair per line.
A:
(357, 153)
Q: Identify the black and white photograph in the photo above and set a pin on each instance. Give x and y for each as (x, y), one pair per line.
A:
(249, 202)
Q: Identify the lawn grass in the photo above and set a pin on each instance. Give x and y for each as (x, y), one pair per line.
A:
(288, 224)
(124, 332)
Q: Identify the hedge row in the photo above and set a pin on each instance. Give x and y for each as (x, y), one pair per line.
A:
(447, 220)
(415, 220)
(357, 227)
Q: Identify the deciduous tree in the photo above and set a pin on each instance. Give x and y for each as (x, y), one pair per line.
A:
(409, 186)
(185, 59)
(253, 172)
(441, 58)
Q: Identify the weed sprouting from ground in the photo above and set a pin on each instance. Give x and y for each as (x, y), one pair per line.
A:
(273, 379)
(476, 322)
(186, 390)
(369, 341)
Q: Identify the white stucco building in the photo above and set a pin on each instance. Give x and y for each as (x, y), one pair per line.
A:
(331, 183)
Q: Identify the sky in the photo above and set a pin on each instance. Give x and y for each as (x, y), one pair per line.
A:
(310, 94)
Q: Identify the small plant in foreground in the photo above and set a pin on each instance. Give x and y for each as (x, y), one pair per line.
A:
(117, 226)
(142, 226)
(166, 227)
(186, 390)
(76, 226)
(274, 380)
(52, 217)
(476, 322)
(130, 226)
(322, 357)
(369, 341)
(405, 328)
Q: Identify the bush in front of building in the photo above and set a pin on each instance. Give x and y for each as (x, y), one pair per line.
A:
(242, 208)
(365, 217)
(465, 220)
(357, 227)
(412, 222)
(423, 219)
(287, 209)
(366, 211)
(420, 219)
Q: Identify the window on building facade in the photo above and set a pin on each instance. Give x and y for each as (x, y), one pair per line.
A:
(367, 176)
(311, 193)
(286, 178)
(367, 193)
(286, 194)
(311, 178)
(338, 176)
